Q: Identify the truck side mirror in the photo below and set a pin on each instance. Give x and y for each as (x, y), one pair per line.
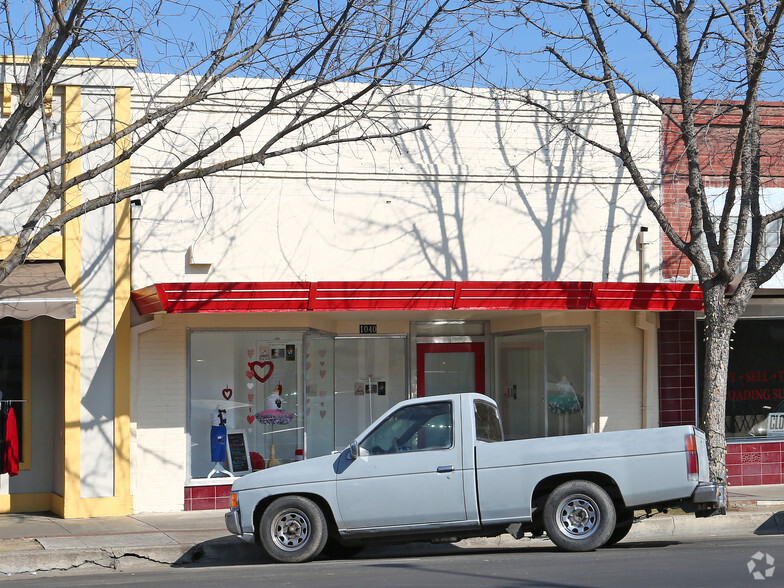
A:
(353, 450)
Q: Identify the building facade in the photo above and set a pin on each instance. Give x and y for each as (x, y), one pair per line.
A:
(292, 303)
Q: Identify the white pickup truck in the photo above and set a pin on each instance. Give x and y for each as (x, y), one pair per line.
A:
(437, 469)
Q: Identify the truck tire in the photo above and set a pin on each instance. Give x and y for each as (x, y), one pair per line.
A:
(579, 516)
(624, 519)
(293, 529)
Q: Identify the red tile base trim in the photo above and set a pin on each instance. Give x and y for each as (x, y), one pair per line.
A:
(207, 497)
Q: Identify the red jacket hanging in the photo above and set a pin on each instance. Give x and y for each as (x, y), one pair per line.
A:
(10, 457)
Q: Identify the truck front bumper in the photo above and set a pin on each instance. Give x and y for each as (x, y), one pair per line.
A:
(709, 498)
(233, 522)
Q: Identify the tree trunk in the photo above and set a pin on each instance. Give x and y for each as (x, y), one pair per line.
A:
(719, 323)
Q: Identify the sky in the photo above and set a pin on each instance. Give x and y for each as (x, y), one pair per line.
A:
(514, 57)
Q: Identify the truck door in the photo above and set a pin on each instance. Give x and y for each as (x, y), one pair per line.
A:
(409, 471)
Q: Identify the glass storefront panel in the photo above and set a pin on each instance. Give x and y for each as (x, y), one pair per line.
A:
(248, 382)
(320, 395)
(370, 377)
(542, 379)
(755, 378)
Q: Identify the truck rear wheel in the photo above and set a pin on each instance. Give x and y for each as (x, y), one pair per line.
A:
(624, 519)
(293, 529)
(579, 516)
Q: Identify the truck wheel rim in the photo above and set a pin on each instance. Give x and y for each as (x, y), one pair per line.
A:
(578, 516)
(290, 530)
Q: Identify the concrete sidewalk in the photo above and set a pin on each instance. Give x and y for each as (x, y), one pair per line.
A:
(41, 543)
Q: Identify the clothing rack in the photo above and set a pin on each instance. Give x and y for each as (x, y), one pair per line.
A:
(9, 401)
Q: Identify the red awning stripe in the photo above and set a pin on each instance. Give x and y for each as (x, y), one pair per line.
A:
(331, 296)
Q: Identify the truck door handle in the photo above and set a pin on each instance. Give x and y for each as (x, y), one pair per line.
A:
(445, 469)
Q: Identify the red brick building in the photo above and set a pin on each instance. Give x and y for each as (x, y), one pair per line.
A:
(755, 389)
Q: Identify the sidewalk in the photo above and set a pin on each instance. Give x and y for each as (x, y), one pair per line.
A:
(35, 542)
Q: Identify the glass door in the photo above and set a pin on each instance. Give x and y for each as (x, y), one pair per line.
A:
(449, 368)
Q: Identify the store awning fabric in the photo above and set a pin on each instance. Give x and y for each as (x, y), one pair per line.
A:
(197, 297)
(37, 289)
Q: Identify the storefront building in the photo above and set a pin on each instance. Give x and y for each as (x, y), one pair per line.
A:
(755, 450)
(65, 314)
(486, 255)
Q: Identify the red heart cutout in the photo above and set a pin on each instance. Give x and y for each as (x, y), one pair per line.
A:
(322, 373)
(251, 397)
(323, 413)
(250, 418)
(307, 366)
(249, 374)
(262, 364)
(227, 392)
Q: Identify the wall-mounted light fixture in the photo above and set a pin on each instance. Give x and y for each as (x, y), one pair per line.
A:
(136, 209)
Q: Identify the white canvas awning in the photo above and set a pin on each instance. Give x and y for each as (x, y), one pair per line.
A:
(37, 289)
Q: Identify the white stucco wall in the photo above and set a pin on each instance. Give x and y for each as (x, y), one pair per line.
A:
(491, 192)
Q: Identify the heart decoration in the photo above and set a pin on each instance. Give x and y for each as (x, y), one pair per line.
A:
(251, 352)
(251, 397)
(322, 393)
(322, 373)
(249, 374)
(322, 363)
(323, 413)
(250, 418)
(250, 385)
(261, 365)
(227, 392)
(322, 352)
(307, 366)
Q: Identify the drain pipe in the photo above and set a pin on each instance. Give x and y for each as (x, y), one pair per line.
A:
(641, 243)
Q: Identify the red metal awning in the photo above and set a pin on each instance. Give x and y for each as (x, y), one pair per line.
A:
(197, 297)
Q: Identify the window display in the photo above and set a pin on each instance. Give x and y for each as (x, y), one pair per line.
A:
(246, 381)
(286, 404)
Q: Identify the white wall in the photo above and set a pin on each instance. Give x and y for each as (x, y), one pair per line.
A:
(491, 192)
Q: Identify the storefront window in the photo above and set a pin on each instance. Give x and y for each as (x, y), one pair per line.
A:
(543, 383)
(248, 383)
(286, 395)
(370, 378)
(755, 378)
(12, 373)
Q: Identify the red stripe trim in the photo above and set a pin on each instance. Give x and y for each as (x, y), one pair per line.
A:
(496, 295)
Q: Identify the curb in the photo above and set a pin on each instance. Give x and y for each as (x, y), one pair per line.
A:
(230, 550)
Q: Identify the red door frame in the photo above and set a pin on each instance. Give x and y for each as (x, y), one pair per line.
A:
(478, 350)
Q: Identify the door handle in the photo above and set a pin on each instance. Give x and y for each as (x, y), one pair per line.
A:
(445, 469)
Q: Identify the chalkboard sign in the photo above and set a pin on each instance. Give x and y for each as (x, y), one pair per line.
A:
(239, 458)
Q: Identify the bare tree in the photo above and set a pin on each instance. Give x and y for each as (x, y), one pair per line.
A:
(320, 73)
(720, 58)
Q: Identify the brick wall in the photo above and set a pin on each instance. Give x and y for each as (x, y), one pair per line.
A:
(677, 388)
(716, 144)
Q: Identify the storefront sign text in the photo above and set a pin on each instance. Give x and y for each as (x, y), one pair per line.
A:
(368, 329)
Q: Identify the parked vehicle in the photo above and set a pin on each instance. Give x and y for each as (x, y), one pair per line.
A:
(438, 469)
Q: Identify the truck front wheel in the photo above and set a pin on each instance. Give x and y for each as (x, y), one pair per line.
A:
(579, 516)
(293, 529)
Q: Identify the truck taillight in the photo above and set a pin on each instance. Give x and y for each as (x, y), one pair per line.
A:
(692, 463)
(233, 500)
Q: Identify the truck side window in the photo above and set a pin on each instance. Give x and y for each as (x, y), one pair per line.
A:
(413, 428)
(488, 425)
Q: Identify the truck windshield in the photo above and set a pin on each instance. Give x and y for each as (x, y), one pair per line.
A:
(412, 428)
(488, 426)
